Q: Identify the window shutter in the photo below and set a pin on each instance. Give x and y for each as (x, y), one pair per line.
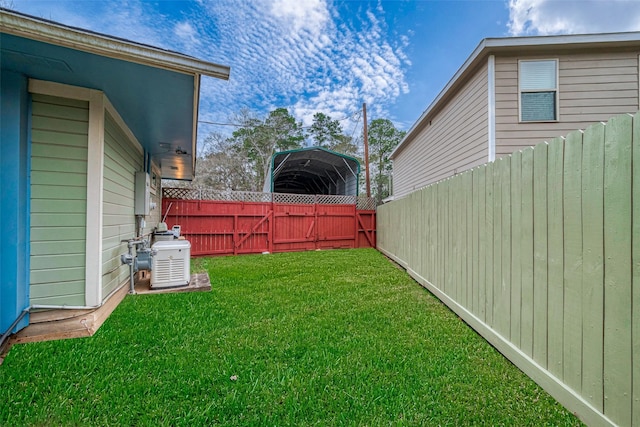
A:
(537, 75)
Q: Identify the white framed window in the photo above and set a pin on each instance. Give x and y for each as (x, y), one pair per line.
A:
(538, 90)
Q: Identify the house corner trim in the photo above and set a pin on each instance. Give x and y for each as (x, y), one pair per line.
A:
(95, 166)
(491, 108)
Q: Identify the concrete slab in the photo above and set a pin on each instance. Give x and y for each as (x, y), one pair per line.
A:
(199, 282)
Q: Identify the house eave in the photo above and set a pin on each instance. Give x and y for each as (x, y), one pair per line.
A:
(75, 38)
(527, 44)
(154, 124)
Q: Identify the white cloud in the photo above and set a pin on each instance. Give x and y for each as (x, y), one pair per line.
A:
(131, 20)
(298, 54)
(542, 17)
(279, 58)
(185, 30)
(309, 15)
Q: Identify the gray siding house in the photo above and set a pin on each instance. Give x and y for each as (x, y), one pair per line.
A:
(512, 93)
(83, 113)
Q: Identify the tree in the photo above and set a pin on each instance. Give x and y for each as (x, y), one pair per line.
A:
(345, 145)
(224, 166)
(260, 139)
(241, 162)
(324, 131)
(327, 133)
(383, 138)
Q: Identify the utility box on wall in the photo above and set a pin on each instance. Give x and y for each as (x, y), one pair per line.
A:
(142, 196)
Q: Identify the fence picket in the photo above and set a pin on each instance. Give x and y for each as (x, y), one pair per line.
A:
(460, 230)
(475, 280)
(556, 255)
(526, 251)
(505, 282)
(430, 244)
(421, 233)
(448, 258)
(453, 235)
(635, 285)
(497, 245)
(593, 260)
(540, 296)
(573, 261)
(617, 270)
(482, 242)
(432, 232)
(468, 197)
(516, 230)
(489, 245)
(406, 232)
(442, 284)
(411, 219)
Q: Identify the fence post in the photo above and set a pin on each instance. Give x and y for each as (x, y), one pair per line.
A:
(270, 227)
(315, 223)
(356, 225)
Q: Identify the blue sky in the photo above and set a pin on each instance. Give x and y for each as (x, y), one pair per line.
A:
(330, 56)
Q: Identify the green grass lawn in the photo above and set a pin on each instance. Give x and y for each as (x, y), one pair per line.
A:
(316, 338)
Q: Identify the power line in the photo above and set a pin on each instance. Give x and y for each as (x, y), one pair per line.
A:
(356, 125)
(219, 124)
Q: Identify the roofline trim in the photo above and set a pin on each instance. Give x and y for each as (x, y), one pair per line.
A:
(22, 25)
(491, 45)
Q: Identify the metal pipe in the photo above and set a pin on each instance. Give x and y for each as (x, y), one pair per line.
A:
(63, 307)
(132, 288)
(167, 212)
(128, 258)
(6, 335)
(139, 226)
(276, 172)
(74, 307)
(130, 245)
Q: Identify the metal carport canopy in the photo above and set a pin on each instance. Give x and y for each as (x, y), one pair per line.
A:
(314, 170)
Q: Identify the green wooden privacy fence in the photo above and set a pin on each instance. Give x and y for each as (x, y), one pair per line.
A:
(540, 252)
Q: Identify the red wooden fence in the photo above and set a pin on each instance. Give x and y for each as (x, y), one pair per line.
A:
(221, 227)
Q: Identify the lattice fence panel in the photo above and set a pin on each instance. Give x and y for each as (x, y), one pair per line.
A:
(323, 199)
(215, 195)
(365, 203)
(362, 202)
(294, 199)
(180, 193)
(236, 196)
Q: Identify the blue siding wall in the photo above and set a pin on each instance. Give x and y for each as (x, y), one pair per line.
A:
(14, 218)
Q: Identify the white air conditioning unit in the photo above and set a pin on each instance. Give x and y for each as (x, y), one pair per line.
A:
(171, 266)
